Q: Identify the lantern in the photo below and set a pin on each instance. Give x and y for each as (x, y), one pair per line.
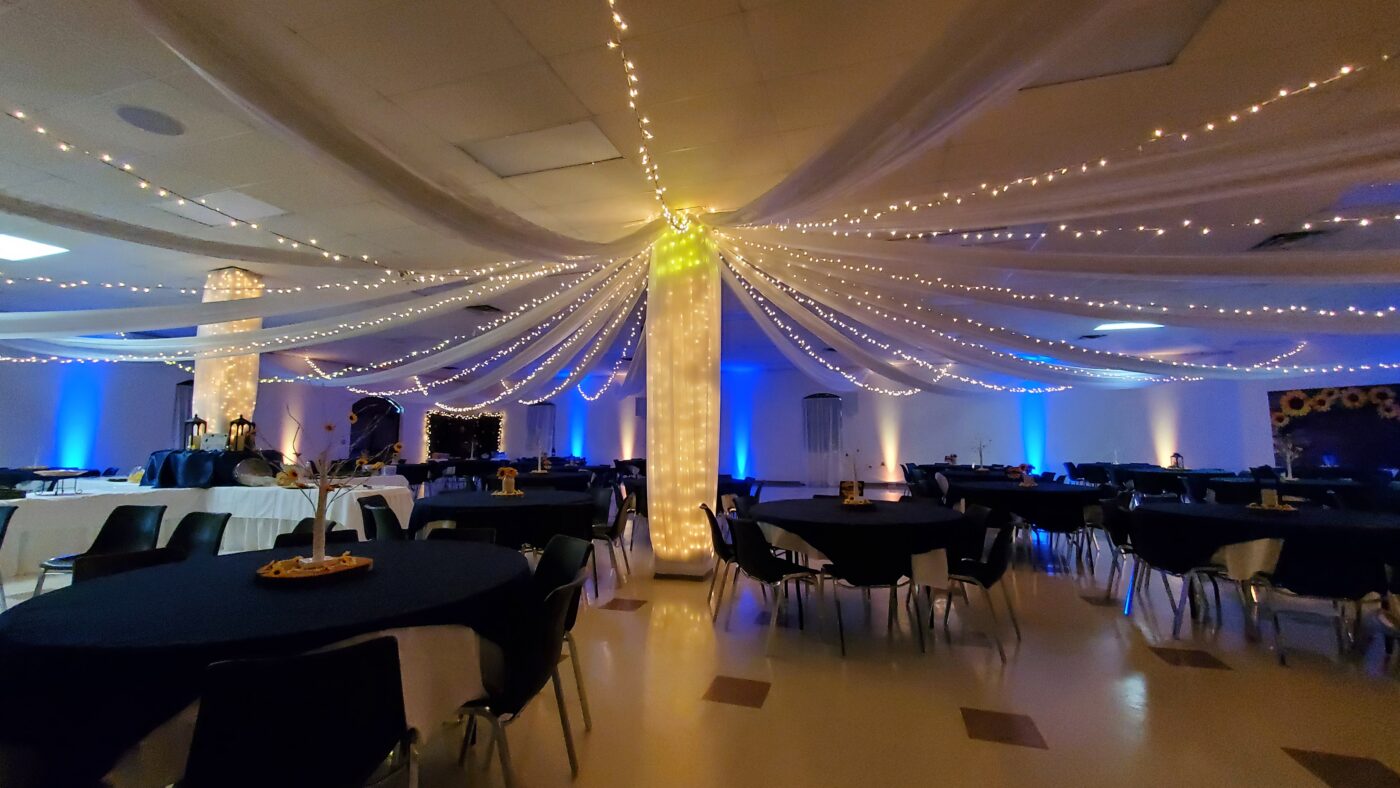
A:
(195, 429)
(1178, 461)
(240, 434)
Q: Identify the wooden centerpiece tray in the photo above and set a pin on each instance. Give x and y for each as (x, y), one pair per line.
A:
(300, 572)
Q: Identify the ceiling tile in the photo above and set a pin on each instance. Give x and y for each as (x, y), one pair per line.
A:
(794, 38)
(40, 67)
(509, 101)
(741, 111)
(97, 118)
(533, 151)
(408, 46)
(608, 179)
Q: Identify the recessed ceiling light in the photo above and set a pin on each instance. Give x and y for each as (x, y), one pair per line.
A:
(1125, 326)
(16, 248)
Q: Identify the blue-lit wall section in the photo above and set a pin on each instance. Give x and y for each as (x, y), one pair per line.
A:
(77, 416)
(577, 425)
(1033, 430)
(737, 396)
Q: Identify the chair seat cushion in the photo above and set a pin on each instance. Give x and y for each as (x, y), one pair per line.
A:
(60, 563)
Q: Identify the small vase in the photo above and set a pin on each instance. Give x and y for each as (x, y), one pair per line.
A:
(508, 485)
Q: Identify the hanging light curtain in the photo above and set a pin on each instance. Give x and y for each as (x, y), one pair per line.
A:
(821, 433)
(539, 429)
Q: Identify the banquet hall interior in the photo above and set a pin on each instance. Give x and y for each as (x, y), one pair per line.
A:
(719, 392)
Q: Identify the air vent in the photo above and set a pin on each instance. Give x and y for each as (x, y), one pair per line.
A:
(154, 121)
(1285, 240)
(1092, 336)
(483, 308)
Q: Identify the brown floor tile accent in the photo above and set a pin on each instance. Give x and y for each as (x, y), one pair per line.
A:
(738, 692)
(622, 603)
(1189, 658)
(1003, 728)
(1345, 771)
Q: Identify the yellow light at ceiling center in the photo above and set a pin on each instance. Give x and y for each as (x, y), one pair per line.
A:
(682, 335)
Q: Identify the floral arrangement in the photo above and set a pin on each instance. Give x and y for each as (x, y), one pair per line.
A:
(332, 480)
(507, 476)
(1021, 473)
(506, 472)
(1298, 403)
(951, 459)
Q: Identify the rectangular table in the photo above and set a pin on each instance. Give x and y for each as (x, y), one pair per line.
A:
(49, 525)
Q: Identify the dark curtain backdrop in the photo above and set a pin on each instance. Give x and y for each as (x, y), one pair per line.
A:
(1353, 426)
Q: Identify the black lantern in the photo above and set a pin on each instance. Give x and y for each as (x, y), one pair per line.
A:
(240, 434)
(195, 429)
(1178, 461)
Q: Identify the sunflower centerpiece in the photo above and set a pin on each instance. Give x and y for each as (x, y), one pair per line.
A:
(507, 475)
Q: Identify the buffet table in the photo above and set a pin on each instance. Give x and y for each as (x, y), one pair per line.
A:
(48, 525)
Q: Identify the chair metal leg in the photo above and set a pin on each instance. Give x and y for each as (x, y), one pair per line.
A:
(1278, 634)
(1180, 608)
(1133, 579)
(594, 560)
(1113, 571)
(722, 576)
(996, 625)
(626, 562)
(612, 554)
(893, 615)
(780, 588)
(917, 622)
(1011, 611)
(714, 579)
(1340, 627)
(733, 599)
(948, 608)
(578, 679)
(1170, 597)
(39, 586)
(840, 624)
(564, 723)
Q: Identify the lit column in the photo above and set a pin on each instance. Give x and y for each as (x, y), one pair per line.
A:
(226, 388)
(683, 325)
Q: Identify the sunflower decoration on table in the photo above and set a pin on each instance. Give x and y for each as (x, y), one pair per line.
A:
(1279, 420)
(1295, 403)
(354, 417)
(1390, 410)
(1354, 397)
(1382, 395)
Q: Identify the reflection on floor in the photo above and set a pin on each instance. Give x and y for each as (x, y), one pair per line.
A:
(1088, 698)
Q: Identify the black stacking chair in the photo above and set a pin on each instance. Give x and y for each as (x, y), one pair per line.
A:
(294, 539)
(602, 496)
(366, 520)
(538, 650)
(1115, 521)
(888, 574)
(1073, 472)
(1264, 473)
(1193, 489)
(1320, 568)
(7, 513)
(755, 560)
(724, 560)
(126, 530)
(308, 524)
(90, 567)
(248, 734)
(984, 571)
(199, 533)
(1155, 549)
(479, 535)
(386, 525)
(612, 535)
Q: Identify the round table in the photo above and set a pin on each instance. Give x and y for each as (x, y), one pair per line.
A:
(96, 666)
(1045, 504)
(891, 530)
(570, 481)
(1187, 535)
(531, 518)
(1238, 489)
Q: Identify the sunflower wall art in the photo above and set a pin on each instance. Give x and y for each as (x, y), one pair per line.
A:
(1355, 427)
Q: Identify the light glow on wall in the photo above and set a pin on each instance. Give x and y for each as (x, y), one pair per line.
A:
(578, 422)
(77, 414)
(887, 426)
(627, 429)
(1164, 422)
(739, 384)
(1033, 430)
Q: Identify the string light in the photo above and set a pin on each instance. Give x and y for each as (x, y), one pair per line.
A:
(990, 189)
(625, 357)
(678, 221)
(603, 342)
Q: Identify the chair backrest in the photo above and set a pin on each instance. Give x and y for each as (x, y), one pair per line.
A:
(1115, 521)
(942, 483)
(247, 733)
(997, 556)
(751, 549)
(757, 492)
(602, 503)
(129, 529)
(307, 524)
(534, 655)
(386, 525)
(721, 546)
(7, 513)
(619, 521)
(199, 533)
(89, 567)
(366, 519)
(293, 539)
(481, 535)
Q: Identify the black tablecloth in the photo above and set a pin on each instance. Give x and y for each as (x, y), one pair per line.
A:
(568, 481)
(527, 519)
(1181, 536)
(1047, 504)
(94, 667)
(891, 531)
(1155, 481)
(194, 468)
(1353, 494)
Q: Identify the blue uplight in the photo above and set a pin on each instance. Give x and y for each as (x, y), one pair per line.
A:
(1033, 429)
(739, 400)
(578, 422)
(77, 414)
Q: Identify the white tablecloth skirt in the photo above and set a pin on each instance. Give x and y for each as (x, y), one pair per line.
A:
(50, 525)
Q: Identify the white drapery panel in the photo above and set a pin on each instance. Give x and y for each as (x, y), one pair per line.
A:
(824, 377)
(584, 363)
(278, 78)
(821, 437)
(305, 334)
(936, 259)
(539, 429)
(991, 50)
